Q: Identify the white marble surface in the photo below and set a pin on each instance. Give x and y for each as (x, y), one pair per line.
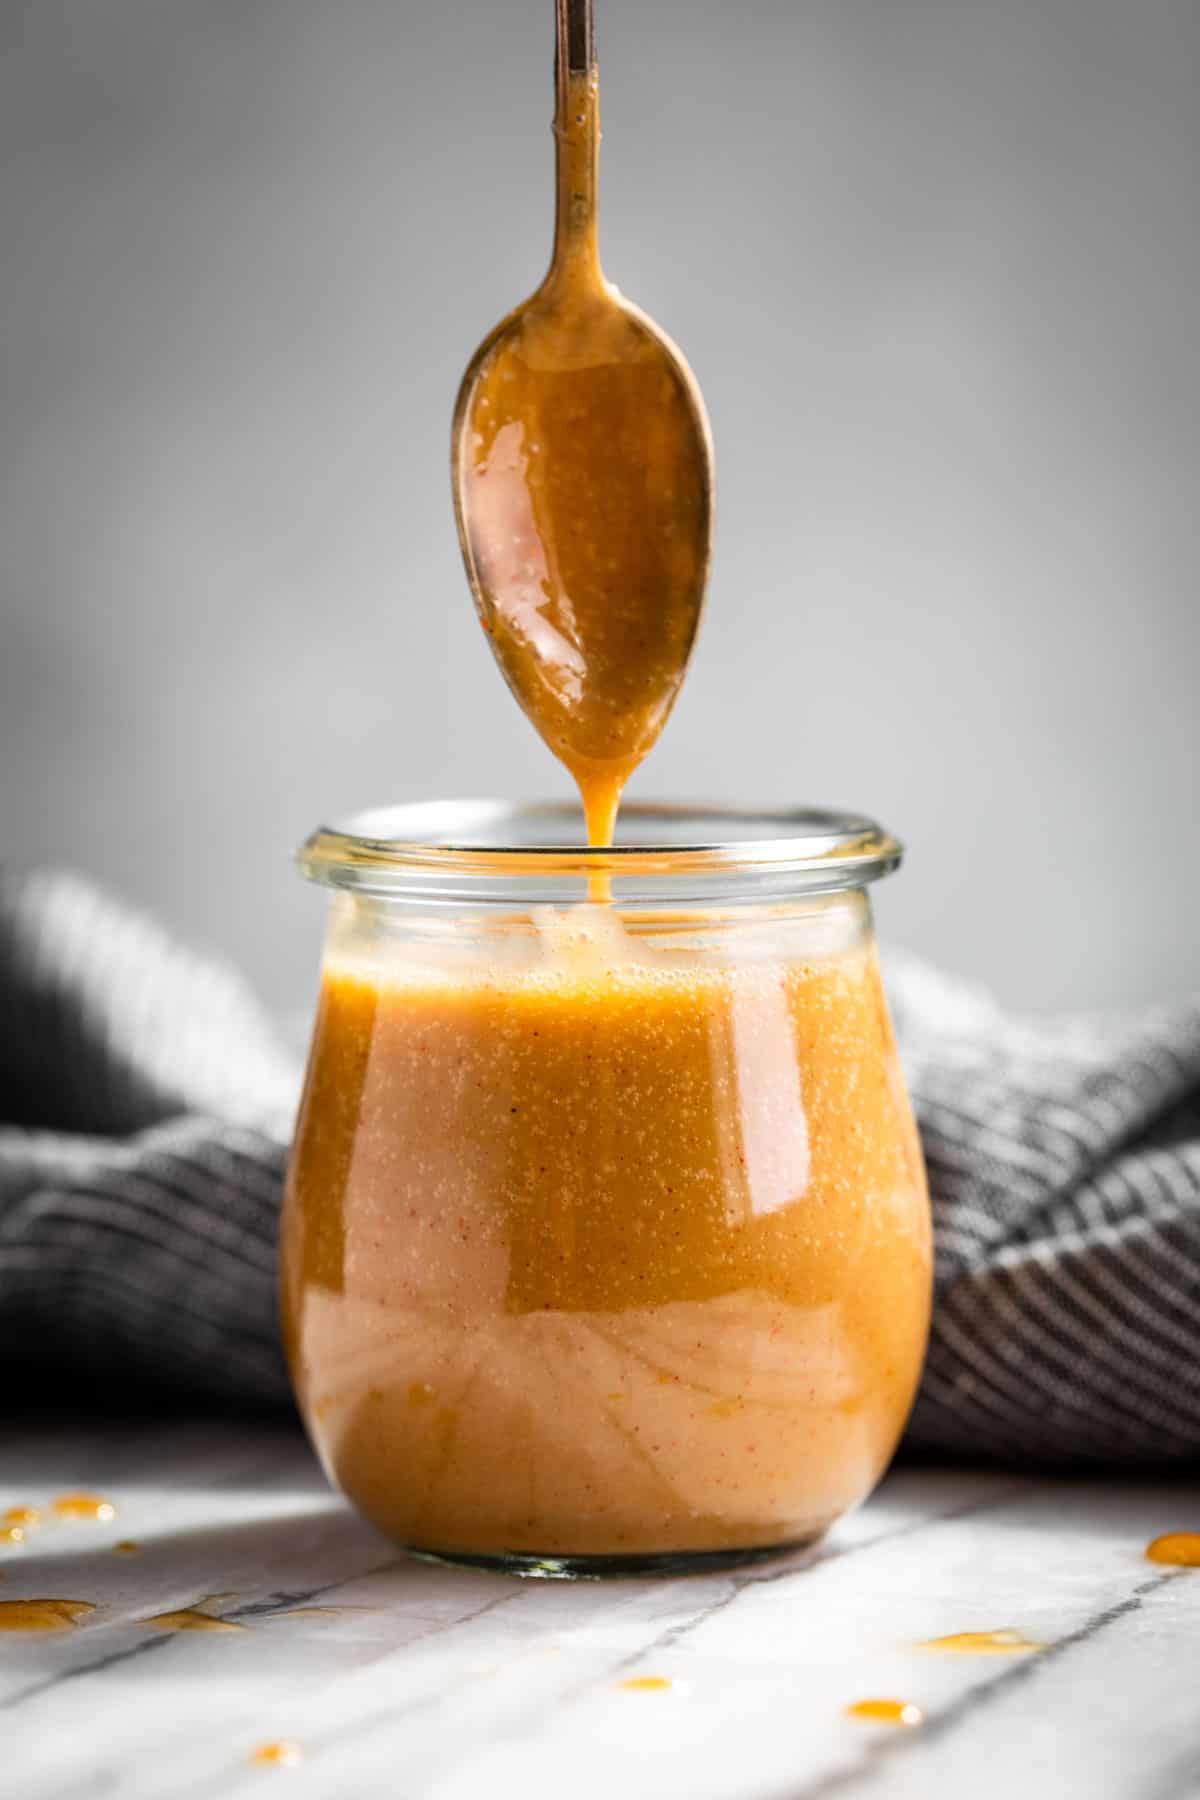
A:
(426, 1683)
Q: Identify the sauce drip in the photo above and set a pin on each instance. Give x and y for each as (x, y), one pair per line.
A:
(582, 476)
(1005, 1642)
(647, 1684)
(283, 1753)
(42, 1615)
(126, 1547)
(188, 1619)
(12, 1534)
(1181, 1548)
(83, 1506)
(887, 1712)
(26, 1517)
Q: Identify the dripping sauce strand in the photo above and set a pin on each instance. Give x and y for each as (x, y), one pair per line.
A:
(582, 471)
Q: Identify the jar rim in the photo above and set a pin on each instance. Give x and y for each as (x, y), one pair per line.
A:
(495, 851)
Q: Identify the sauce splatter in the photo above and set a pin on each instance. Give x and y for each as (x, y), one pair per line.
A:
(12, 1534)
(42, 1615)
(1006, 1642)
(199, 1617)
(283, 1753)
(189, 1618)
(83, 1506)
(887, 1712)
(1182, 1548)
(25, 1516)
(647, 1684)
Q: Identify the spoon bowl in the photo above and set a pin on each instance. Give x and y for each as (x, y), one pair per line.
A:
(581, 465)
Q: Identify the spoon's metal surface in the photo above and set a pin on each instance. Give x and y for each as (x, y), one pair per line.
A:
(581, 464)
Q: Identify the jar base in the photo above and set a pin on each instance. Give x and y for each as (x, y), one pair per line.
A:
(601, 1568)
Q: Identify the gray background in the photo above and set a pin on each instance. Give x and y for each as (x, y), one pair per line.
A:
(936, 264)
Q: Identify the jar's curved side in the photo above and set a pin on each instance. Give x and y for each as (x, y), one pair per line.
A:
(606, 1261)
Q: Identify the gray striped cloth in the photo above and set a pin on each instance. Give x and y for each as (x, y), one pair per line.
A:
(145, 1109)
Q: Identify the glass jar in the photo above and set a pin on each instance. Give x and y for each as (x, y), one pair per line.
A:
(606, 1240)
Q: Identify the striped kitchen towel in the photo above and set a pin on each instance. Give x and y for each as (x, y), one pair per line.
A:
(145, 1107)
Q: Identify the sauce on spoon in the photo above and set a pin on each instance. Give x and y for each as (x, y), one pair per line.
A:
(582, 471)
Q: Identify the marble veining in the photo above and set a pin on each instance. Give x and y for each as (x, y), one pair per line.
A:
(391, 1677)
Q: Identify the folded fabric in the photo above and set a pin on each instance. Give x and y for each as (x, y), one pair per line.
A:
(146, 1106)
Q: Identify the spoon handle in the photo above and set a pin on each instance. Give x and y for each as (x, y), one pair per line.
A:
(577, 144)
(575, 36)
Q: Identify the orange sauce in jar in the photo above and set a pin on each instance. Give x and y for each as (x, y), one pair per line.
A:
(604, 1256)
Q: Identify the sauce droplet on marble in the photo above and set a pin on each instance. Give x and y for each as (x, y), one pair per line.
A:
(646, 1684)
(187, 1618)
(83, 1506)
(27, 1517)
(283, 1753)
(1181, 1548)
(42, 1615)
(887, 1712)
(199, 1617)
(12, 1534)
(1005, 1642)
(126, 1547)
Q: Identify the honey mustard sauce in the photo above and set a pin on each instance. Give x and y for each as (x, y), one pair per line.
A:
(42, 1615)
(582, 474)
(203, 1615)
(24, 1518)
(550, 1305)
(1005, 1642)
(887, 1712)
(280, 1752)
(1180, 1548)
(83, 1508)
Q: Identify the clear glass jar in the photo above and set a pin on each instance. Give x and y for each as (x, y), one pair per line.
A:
(606, 1240)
